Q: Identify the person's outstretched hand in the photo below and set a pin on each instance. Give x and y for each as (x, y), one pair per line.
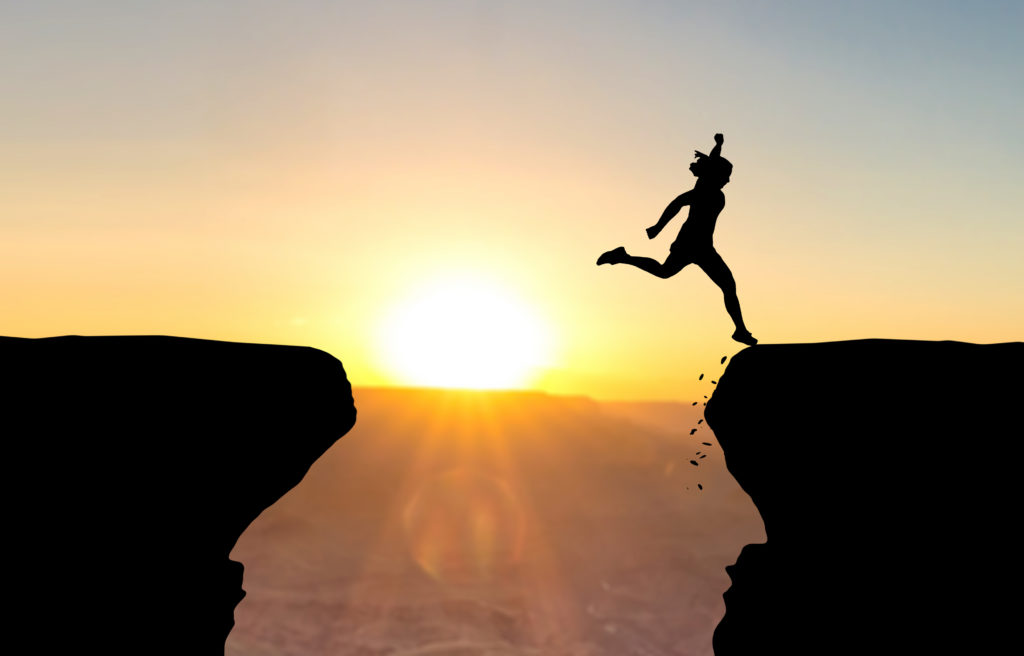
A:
(719, 139)
(653, 231)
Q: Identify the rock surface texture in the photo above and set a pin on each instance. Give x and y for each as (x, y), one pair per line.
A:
(887, 474)
(132, 465)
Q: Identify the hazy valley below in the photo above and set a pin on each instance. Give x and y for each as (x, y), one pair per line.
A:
(477, 523)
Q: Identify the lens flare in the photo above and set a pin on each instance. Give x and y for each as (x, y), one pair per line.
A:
(464, 527)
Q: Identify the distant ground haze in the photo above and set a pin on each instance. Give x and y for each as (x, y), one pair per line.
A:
(498, 523)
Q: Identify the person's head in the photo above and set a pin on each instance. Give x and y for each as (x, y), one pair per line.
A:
(711, 170)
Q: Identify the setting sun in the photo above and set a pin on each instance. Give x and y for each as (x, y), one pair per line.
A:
(464, 333)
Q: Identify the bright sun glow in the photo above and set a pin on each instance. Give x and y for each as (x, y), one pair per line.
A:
(467, 334)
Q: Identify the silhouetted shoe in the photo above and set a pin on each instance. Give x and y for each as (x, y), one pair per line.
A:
(744, 337)
(613, 256)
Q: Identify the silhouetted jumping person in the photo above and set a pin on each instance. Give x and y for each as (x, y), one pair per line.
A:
(694, 243)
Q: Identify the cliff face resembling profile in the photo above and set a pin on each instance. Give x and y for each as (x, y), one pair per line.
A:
(132, 465)
(887, 474)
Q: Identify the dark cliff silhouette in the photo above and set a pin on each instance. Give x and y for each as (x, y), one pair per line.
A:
(133, 464)
(887, 474)
(694, 244)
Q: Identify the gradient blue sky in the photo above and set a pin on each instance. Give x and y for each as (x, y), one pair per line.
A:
(287, 172)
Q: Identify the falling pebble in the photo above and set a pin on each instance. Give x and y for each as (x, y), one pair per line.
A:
(701, 377)
(694, 403)
(700, 421)
(705, 396)
(703, 456)
(706, 443)
(724, 358)
(697, 454)
(705, 403)
(699, 486)
(693, 462)
(714, 382)
(692, 431)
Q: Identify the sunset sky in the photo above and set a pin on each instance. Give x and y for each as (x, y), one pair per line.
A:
(311, 173)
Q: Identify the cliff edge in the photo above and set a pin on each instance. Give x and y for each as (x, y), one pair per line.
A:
(886, 474)
(132, 465)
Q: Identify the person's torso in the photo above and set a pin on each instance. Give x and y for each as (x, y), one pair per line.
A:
(699, 227)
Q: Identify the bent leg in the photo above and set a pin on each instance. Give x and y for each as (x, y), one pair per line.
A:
(715, 267)
(672, 265)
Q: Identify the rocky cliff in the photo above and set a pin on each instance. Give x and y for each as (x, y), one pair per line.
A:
(887, 474)
(132, 465)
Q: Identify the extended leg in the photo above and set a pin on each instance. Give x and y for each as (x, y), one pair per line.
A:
(720, 274)
(670, 267)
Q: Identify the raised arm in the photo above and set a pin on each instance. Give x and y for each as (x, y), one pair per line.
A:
(673, 208)
(717, 150)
